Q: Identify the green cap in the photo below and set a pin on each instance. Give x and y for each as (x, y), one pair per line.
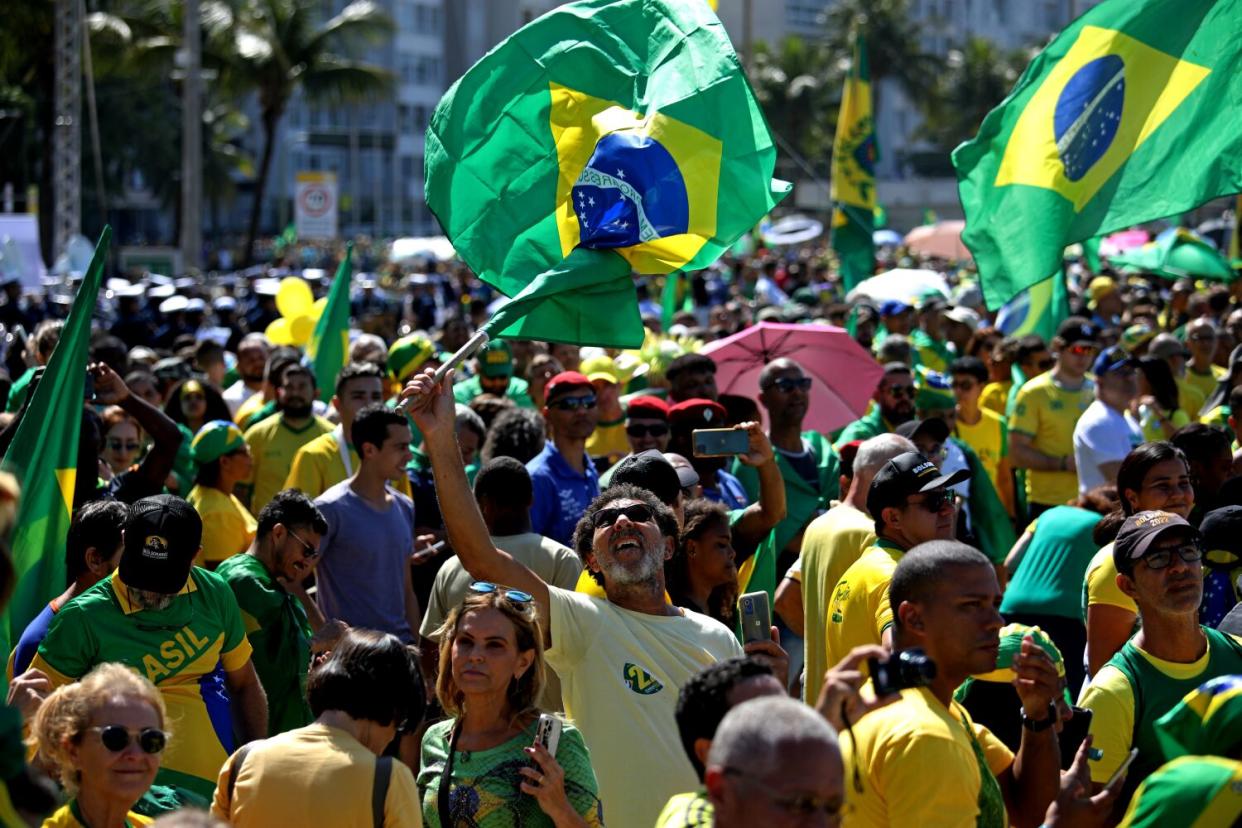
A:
(407, 355)
(496, 360)
(1208, 721)
(216, 439)
(1011, 636)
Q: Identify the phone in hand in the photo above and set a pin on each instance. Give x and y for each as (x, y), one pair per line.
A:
(89, 387)
(720, 442)
(756, 612)
(1121, 771)
(548, 732)
(1072, 733)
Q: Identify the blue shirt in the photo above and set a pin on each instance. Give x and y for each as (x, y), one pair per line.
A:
(31, 638)
(728, 491)
(561, 494)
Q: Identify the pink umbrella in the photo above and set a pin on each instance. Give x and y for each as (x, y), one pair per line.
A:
(942, 239)
(844, 375)
(1122, 241)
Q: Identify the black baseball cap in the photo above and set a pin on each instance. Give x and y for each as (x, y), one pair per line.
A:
(933, 427)
(162, 536)
(1142, 529)
(1222, 529)
(904, 475)
(650, 470)
(1077, 329)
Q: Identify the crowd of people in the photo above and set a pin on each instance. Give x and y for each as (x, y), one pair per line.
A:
(1006, 593)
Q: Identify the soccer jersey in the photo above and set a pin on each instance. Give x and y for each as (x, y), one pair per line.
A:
(273, 445)
(620, 674)
(1100, 584)
(319, 465)
(69, 815)
(995, 396)
(921, 763)
(1049, 578)
(1047, 413)
(1192, 791)
(177, 648)
(988, 438)
(228, 526)
(831, 544)
(470, 387)
(279, 633)
(688, 810)
(859, 611)
(1205, 384)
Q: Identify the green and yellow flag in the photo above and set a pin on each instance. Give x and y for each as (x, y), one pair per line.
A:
(329, 343)
(44, 458)
(1131, 114)
(854, 154)
(1039, 309)
(606, 137)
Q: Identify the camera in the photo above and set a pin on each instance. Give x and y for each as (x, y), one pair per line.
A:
(900, 671)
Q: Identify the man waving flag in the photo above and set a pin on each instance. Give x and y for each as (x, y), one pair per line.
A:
(1130, 115)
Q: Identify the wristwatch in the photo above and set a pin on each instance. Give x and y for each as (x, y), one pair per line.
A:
(1036, 725)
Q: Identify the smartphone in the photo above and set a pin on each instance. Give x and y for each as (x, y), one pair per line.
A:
(756, 613)
(1072, 734)
(1121, 771)
(548, 732)
(720, 442)
(89, 387)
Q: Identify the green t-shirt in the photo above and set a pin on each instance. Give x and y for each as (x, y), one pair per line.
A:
(178, 648)
(280, 634)
(486, 792)
(804, 501)
(470, 387)
(1050, 576)
(1193, 791)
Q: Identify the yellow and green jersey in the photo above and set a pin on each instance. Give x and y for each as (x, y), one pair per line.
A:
(228, 526)
(1047, 413)
(273, 445)
(859, 611)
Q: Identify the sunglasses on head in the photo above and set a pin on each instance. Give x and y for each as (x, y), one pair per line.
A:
(640, 430)
(574, 403)
(788, 384)
(636, 513)
(937, 500)
(515, 595)
(309, 551)
(117, 737)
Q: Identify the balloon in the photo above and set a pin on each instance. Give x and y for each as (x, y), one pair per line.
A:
(300, 329)
(317, 308)
(279, 332)
(294, 297)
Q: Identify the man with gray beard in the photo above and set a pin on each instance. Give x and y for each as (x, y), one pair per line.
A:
(622, 659)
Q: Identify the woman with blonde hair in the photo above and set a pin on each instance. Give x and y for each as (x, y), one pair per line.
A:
(481, 766)
(103, 737)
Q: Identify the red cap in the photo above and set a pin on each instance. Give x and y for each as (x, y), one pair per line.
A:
(647, 406)
(698, 413)
(564, 381)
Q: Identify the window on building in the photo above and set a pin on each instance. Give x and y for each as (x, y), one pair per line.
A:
(406, 69)
(406, 21)
(420, 118)
(433, 20)
(420, 18)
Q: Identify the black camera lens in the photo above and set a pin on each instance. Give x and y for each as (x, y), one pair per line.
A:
(913, 668)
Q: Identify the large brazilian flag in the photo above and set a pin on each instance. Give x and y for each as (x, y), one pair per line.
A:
(1131, 114)
(329, 343)
(854, 154)
(606, 137)
(1039, 309)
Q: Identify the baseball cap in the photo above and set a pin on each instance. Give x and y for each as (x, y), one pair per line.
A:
(214, 440)
(407, 355)
(1011, 636)
(893, 307)
(600, 368)
(563, 382)
(1166, 345)
(964, 316)
(647, 406)
(649, 470)
(1077, 329)
(496, 359)
(1142, 529)
(697, 413)
(162, 535)
(1114, 359)
(933, 427)
(1222, 530)
(1100, 287)
(685, 471)
(1136, 336)
(904, 475)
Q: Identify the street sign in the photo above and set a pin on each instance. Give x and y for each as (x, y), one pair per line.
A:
(315, 205)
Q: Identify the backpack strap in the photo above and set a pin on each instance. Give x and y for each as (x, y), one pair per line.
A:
(379, 789)
(239, 759)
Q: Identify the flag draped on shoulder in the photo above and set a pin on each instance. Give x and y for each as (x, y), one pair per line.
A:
(44, 458)
(329, 343)
(606, 137)
(852, 191)
(1129, 115)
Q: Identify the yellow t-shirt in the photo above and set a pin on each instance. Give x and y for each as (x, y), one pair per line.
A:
(248, 408)
(318, 466)
(831, 544)
(1205, 384)
(64, 817)
(986, 438)
(917, 764)
(1101, 580)
(620, 674)
(1189, 397)
(995, 396)
(284, 778)
(859, 611)
(228, 527)
(273, 445)
(1047, 414)
(608, 440)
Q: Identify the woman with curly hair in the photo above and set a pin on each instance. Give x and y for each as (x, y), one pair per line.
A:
(481, 767)
(702, 575)
(103, 737)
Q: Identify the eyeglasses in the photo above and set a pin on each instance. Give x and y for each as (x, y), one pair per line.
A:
(788, 384)
(636, 513)
(640, 430)
(117, 737)
(1203, 337)
(515, 595)
(937, 500)
(1081, 349)
(1161, 558)
(119, 445)
(803, 806)
(309, 551)
(574, 403)
(901, 391)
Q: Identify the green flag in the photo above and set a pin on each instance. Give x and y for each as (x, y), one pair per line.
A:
(606, 137)
(675, 298)
(329, 343)
(1039, 309)
(1129, 115)
(44, 458)
(853, 175)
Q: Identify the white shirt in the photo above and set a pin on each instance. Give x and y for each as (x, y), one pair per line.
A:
(1103, 435)
(236, 394)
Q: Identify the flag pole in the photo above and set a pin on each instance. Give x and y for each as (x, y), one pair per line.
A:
(463, 353)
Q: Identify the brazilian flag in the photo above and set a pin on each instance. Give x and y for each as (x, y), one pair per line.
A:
(329, 342)
(854, 154)
(1039, 309)
(1131, 114)
(606, 137)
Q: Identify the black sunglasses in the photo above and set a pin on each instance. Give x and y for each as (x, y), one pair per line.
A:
(308, 551)
(937, 500)
(117, 737)
(640, 430)
(515, 595)
(788, 384)
(636, 513)
(574, 403)
(902, 391)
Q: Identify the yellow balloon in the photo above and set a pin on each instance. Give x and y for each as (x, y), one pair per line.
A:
(280, 332)
(316, 310)
(300, 329)
(294, 297)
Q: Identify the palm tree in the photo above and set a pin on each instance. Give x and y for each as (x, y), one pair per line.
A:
(894, 44)
(979, 76)
(279, 47)
(799, 93)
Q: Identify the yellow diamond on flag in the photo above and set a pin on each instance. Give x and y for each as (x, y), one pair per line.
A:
(67, 479)
(1095, 108)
